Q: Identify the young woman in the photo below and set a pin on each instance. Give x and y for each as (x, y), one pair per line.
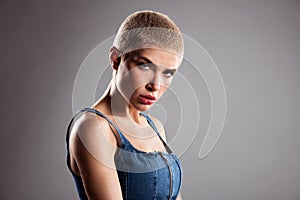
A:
(115, 150)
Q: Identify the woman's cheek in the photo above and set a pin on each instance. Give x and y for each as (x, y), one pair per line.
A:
(130, 81)
(124, 85)
(139, 78)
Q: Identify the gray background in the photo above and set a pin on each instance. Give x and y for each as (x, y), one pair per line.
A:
(255, 44)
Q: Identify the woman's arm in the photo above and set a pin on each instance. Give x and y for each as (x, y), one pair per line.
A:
(93, 146)
(179, 196)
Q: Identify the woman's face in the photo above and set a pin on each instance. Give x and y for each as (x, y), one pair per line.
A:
(144, 75)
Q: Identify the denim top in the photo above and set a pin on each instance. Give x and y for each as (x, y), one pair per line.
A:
(142, 175)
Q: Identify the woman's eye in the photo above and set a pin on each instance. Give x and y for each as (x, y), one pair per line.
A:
(169, 73)
(144, 66)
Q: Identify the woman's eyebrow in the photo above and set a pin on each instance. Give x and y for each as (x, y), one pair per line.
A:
(146, 59)
(149, 61)
(171, 70)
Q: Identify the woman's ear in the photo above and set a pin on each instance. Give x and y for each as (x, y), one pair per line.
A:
(114, 57)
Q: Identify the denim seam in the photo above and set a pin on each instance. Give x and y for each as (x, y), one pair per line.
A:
(155, 185)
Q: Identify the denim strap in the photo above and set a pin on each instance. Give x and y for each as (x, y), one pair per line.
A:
(123, 138)
(151, 123)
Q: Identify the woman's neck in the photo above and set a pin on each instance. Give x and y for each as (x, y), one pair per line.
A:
(113, 103)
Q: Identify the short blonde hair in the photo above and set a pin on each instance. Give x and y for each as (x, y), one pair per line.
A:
(146, 29)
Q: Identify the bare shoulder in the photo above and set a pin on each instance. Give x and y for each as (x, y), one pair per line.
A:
(90, 127)
(92, 135)
(160, 126)
(92, 147)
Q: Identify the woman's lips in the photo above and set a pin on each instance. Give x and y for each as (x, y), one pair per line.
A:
(147, 99)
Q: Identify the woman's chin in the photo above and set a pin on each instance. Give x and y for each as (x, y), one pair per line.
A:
(143, 107)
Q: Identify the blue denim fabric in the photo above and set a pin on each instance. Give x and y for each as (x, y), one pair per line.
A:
(142, 175)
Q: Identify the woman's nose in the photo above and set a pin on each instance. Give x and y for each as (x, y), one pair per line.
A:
(154, 84)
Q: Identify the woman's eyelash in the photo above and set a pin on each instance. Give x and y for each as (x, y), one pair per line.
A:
(147, 66)
(169, 73)
(144, 65)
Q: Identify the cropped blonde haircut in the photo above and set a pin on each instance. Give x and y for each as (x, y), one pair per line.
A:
(149, 29)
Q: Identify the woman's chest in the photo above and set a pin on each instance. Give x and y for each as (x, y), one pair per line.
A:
(149, 176)
(143, 139)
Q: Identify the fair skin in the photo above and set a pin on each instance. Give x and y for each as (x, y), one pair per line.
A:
(93, 142)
